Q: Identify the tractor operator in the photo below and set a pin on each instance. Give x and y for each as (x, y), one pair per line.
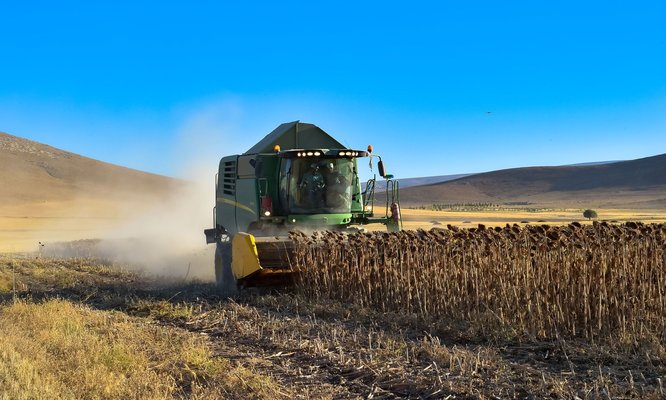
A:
(313, 187)
(337, 194)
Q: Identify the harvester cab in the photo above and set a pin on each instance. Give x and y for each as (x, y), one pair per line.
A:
(298, 177)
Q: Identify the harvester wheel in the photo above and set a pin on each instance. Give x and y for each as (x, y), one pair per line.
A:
(223, 275)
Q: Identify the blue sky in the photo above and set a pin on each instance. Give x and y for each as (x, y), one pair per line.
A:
(150, 84)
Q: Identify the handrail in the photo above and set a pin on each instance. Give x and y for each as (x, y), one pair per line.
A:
(392, 196)
(369, 199)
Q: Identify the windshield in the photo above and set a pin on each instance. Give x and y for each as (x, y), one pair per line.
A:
(317, 185)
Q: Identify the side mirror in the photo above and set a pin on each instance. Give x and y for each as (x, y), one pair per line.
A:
(380, 168)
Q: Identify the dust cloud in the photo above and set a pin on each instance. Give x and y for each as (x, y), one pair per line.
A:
(162, 233)
(167, 237)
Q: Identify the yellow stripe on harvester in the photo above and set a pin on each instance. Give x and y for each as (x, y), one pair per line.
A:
(237, 205)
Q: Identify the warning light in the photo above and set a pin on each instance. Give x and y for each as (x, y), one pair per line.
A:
(369, 148)
(276, 148)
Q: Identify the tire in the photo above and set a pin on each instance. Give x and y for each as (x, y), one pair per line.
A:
(223, 276)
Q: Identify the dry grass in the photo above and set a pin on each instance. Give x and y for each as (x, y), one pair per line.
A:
(53, 348)
(57, 349)
(33, 272)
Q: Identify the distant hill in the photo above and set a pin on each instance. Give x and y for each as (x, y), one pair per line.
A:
(35, 176)
(429, 180)
(426, 180)
(635, 183)
(592, 163)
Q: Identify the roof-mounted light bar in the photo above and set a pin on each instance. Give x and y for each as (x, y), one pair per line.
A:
(353, 153)
(323, 153)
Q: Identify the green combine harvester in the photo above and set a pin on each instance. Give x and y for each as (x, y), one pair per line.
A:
(298, 177)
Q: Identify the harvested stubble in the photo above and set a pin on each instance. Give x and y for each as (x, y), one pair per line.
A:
(540, 281)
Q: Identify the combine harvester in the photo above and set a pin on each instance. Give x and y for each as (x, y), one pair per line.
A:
(298, 177)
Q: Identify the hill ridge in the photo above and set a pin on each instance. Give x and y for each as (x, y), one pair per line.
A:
(33, 172)
(18, 144)
(643, 177)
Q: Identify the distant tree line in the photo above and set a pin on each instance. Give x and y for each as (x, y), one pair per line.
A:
(479, 207)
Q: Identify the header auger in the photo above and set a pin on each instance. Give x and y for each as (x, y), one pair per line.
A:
(298, 177)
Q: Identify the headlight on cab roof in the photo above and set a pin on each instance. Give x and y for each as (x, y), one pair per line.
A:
(322, 153)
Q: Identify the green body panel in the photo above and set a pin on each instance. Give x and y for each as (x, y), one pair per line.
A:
(243, 180)
(238, 197)
(267, 171)
(225, 194)
(247, 210)
(319, 219)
